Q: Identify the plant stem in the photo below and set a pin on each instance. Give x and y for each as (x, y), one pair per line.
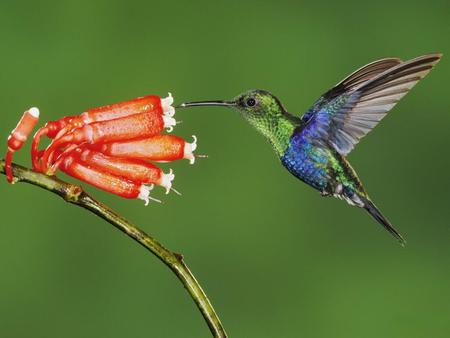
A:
(74, 194)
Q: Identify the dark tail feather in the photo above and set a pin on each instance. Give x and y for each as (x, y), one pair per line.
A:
(375, 213)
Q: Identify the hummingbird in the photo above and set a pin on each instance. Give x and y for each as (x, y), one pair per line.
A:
(314, 147)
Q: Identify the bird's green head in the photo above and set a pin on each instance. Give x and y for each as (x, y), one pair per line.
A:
(261, 109)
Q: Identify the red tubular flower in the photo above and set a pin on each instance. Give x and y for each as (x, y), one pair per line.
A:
(152, 107)
(130, 169)
(18, 137)
(72, 166)
(109, 147)
(160, 148)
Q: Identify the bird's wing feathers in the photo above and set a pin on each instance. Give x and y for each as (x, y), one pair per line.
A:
(357, 77)
(346, 113)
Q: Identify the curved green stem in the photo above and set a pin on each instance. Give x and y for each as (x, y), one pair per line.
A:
(74, 194)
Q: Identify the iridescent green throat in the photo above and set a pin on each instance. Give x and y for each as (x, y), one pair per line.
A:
(276, 127)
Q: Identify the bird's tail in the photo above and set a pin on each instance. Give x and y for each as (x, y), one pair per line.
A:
(376, 213)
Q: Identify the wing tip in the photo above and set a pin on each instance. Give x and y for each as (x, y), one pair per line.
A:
(432, 58)
(436, 54)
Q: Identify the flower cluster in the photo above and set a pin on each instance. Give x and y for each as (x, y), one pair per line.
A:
(109, 147)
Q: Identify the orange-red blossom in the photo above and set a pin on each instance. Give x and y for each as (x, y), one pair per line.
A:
(108, 147)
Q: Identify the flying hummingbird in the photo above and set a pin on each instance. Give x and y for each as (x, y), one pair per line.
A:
(314, 147)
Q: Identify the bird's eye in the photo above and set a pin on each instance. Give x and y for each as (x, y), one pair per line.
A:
(250, 102)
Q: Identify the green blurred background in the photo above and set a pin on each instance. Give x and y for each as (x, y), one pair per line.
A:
(276, 259)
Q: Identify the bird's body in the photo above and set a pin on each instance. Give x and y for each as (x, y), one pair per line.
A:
(321, 167)
(314, 147)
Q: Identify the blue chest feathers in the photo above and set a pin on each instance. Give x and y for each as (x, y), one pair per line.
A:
(307, 161)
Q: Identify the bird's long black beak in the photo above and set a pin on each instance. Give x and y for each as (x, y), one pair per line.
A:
(207, 104)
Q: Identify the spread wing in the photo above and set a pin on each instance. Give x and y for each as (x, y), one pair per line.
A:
(347, 112)
(357, 77)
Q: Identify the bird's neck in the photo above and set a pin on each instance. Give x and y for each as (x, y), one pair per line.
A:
(279, 132)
